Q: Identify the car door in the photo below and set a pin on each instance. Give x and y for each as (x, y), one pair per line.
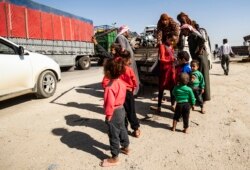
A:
(15, 70)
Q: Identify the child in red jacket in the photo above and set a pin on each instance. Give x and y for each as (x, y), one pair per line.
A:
(114, 97)
(129, 79)
(129, 105)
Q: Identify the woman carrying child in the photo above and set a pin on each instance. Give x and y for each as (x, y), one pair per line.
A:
(167, 36)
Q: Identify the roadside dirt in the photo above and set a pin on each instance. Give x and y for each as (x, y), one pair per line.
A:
(68, 131)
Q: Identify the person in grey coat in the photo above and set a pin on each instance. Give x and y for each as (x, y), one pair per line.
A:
(122, 39)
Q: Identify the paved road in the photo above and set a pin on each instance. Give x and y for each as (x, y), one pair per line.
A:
(70, 80)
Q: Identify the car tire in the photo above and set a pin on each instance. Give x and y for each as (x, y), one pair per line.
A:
(84, 63)
(46, 84)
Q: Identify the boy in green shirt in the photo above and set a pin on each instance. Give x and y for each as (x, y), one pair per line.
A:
(197, 84)
(185, 99)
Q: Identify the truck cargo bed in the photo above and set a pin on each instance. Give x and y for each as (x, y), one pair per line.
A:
(145, 58)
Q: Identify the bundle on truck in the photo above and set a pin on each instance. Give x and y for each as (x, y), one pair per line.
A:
(63, 36)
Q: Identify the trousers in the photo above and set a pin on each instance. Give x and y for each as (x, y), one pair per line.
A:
(117, 132)
(225, 63)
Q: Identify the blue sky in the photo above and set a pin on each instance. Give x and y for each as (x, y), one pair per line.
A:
(222, 18)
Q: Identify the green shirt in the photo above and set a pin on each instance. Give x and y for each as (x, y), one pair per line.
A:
(183, 94)
(199, 79)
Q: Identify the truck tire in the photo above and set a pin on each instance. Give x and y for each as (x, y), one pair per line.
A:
(84, 63)
(46, 84)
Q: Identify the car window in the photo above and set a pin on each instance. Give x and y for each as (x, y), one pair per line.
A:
(4, 49)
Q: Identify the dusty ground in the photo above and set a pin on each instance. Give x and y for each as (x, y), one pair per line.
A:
(69, 132)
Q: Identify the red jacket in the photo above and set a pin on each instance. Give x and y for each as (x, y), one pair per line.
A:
(167, 70)
(128, 77)
(114, 96)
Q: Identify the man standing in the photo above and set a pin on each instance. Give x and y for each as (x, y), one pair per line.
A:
(122, 39)
(225, 51)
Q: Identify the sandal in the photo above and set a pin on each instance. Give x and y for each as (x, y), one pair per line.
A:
(109, 162)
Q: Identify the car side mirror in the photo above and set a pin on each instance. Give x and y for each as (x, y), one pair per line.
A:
(20, 50)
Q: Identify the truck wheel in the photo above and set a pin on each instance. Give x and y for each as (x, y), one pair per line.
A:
(46, 84)
(84, 63)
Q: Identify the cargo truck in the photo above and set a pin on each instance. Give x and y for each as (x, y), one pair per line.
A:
(105, 36)
(64, 37)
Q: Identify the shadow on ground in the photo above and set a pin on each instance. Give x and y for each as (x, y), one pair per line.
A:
(76, 120)
(81, 141)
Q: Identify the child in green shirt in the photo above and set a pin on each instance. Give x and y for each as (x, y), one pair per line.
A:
(197, 84)
(185, 99)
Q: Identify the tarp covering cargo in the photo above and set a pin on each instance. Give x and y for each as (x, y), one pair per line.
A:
(31, 20)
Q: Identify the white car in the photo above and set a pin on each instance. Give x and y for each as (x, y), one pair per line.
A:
(23, 72)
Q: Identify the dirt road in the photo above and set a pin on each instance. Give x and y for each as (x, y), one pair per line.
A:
(68, 131)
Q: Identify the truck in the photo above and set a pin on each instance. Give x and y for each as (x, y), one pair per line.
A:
(64, 37)
(105, 36)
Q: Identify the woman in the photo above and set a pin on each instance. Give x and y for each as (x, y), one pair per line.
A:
(196, 45)
(167, 36)
(183, 43)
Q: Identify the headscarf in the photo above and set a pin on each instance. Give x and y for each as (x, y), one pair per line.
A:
(182, 14)
(123, 29)
(187, 26)
(164, 16)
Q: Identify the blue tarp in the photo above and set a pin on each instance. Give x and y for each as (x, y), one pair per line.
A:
(44, 8)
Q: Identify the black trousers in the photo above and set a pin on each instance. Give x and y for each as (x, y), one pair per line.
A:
(129, 106)
(172, 97)
(182, 109)
(198, 96)
(117, 132)
(225, 63)
(160, 96)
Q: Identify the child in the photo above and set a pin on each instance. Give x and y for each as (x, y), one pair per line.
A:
(167, 35)
(197, 84)
(182, 67)
(114, 97)
(184, 97)
(183, 62)
(130, 80)
(129, 105)
(104, 54)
